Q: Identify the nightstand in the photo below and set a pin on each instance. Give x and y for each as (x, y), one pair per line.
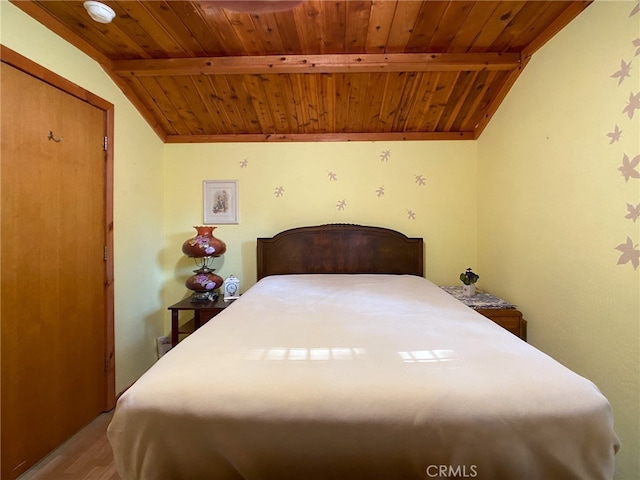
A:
(202, 313)
(494, 308)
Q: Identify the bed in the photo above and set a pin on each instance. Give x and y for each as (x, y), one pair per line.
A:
(344, 362)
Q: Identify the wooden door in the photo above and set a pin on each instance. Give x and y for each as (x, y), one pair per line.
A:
(54, 348)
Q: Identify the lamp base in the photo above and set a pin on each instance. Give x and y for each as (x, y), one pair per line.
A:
(203, 297)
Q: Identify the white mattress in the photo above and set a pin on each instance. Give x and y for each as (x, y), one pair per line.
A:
(359, 376)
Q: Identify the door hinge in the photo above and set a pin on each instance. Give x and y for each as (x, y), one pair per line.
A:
(106, 143)
(104, 254)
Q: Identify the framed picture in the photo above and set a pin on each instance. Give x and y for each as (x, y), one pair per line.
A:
(220, 201)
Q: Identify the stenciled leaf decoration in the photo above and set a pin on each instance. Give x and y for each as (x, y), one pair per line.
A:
(632, 105)
(621, 74)
(630, 253)
(615, 135)
(628, 168)
(634, 212)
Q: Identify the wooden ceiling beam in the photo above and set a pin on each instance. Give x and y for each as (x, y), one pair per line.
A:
(320, 137)
(333, 63)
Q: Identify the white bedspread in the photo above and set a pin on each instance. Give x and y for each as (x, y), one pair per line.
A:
(359, 377)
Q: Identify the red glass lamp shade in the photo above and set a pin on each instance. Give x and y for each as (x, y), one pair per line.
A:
(204, 282)
(204, 244)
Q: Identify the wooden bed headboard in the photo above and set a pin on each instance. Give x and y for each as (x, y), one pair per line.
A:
(340, 248)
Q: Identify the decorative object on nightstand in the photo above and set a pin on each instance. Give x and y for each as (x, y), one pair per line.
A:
(231, 288)
(501, 312)
(469, 279)
(203, 248)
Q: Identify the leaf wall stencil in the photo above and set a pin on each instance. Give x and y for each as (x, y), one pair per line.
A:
(623, 72)
(385, 155)
(632, 105)
(615, 135)
(630, 253)
(634, 212)
(629, 167)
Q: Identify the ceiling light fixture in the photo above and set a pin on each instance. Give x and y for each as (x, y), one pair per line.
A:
(99, 12)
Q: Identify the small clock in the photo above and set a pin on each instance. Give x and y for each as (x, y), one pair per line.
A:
(231, 288)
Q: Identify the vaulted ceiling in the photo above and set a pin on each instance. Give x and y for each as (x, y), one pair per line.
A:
(312, 70)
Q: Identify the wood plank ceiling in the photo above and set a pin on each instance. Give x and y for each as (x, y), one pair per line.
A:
(312, 70)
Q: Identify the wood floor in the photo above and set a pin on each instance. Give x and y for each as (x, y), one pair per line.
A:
(85, 456)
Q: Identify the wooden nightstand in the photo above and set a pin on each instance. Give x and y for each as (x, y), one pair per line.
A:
(202, 313)
(494, 308)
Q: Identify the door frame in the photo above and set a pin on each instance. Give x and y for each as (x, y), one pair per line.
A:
(29, 67)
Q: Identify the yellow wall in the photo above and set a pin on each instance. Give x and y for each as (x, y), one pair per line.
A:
(428, 190)
(138, 214)
(552, 206)
(549, 207)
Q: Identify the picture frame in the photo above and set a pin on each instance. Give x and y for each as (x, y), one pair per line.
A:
(221, 202)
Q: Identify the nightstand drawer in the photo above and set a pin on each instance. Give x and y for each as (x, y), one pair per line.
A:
(508, 318)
